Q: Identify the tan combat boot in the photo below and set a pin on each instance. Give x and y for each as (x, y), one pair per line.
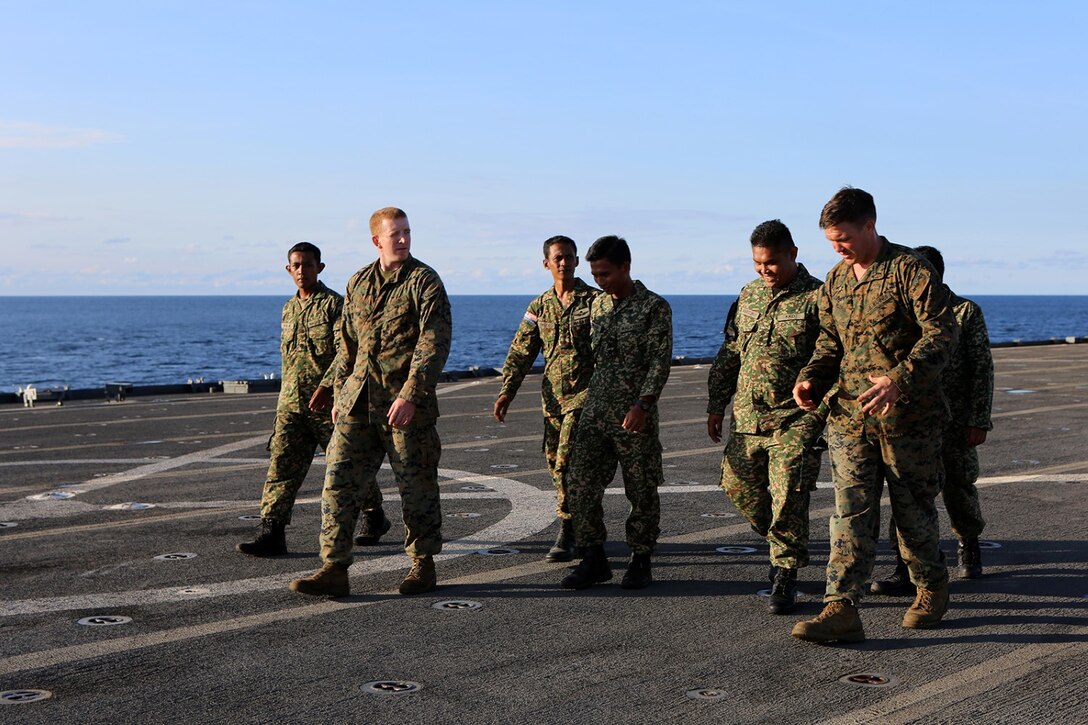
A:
(839, 622)
(421, 577)
(330, 580)
(928, 608)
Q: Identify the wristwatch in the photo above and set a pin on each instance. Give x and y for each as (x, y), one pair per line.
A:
(644, 405)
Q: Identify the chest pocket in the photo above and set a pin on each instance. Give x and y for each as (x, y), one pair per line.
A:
(320, 336)
(398, 321)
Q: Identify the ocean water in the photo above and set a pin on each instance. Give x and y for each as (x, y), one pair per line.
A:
(87, 341)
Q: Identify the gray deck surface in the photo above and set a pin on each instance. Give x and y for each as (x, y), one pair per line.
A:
(219, 638)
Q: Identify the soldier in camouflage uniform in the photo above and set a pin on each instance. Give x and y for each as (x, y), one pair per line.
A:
(968, 382)
(395, 338)
(772, 458)
(309, 338)
(557, 324)
(632, 352)
(886, 333)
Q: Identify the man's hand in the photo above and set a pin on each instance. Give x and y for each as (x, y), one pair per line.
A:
(975, 436)
(635, 419)
(501, 406)
(802, 395)
(714, 427)
(320, 399)
(880, 398)
(401, 413)
(335, 414)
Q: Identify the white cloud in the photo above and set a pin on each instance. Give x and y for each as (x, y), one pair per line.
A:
(32, 135)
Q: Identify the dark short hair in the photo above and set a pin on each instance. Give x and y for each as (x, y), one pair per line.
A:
(850, 206)
(774, 235)
(612, 248)
(933, 256)
(305, 248)
(558, 239)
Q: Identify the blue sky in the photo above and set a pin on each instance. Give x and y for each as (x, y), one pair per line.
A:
(182, 147)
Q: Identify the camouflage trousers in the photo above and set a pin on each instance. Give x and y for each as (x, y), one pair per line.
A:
(769, 478)
(292, 446)
(558, 434)
(959, 492)
(597, 450)
(355, 454)
(861, 464)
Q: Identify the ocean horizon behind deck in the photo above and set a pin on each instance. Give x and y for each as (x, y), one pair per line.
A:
(84, 342)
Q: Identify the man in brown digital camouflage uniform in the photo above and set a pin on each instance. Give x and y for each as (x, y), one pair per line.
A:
(632, 352)
(772, 458)
(557, 324)
(968, 382)
(395, 338)
(886, 333)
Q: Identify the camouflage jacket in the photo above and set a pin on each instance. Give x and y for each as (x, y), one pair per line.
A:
(968, 381)
(632, 353)
(395, 338)
(563, 334)
(309, 339)
(776, 331)
(896, 321)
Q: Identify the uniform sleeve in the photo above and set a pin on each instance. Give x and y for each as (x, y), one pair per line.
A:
(929, 300)
(336, 310)
(348, 344)
(523, 351)
(823, 367)
(980, 364)
(433, 344)
(722, 381)
(658, 350)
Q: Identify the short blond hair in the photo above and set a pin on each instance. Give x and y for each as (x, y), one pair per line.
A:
(389, 212)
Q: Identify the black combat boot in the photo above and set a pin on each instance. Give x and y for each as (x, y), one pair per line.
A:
(638, 574)
(564, 543)
(270, 540)
(970, 559)
(898, 584)
(783, 591)
(593, 569)
(373, 526)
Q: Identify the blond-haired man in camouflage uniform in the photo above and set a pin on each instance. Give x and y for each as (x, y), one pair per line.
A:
(772, 458)
(309, 338)
(395, 338)
(557, 324)
(632, 352)
(968, 382)
(886, 333)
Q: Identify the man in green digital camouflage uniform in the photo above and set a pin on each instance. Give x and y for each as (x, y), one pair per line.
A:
(968, 383)
(772, 458)
(886, 333)
(632, 352)
(309, 338)
(557, 324)
(395, 338)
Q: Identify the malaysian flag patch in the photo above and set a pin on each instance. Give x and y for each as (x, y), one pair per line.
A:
(529, 317)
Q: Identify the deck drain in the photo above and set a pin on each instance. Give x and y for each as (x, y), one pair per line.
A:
(498, 551)
(194, 590)
(868, 679)
(391, 687)
(175, 556)
(477, 450)
(456, 605)
(706, 693)
(130, 506)
(8, 524)
(476, 487)
(718, 515)
(504, 466)
(104, 620)
(249, 517)
(735, 550)
(463, 515)
(23, 697)
(51, 496)
(989, 545)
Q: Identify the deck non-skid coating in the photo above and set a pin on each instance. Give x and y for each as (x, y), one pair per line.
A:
(220, 638)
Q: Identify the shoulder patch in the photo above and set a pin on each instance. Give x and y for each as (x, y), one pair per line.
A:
(529, 317)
